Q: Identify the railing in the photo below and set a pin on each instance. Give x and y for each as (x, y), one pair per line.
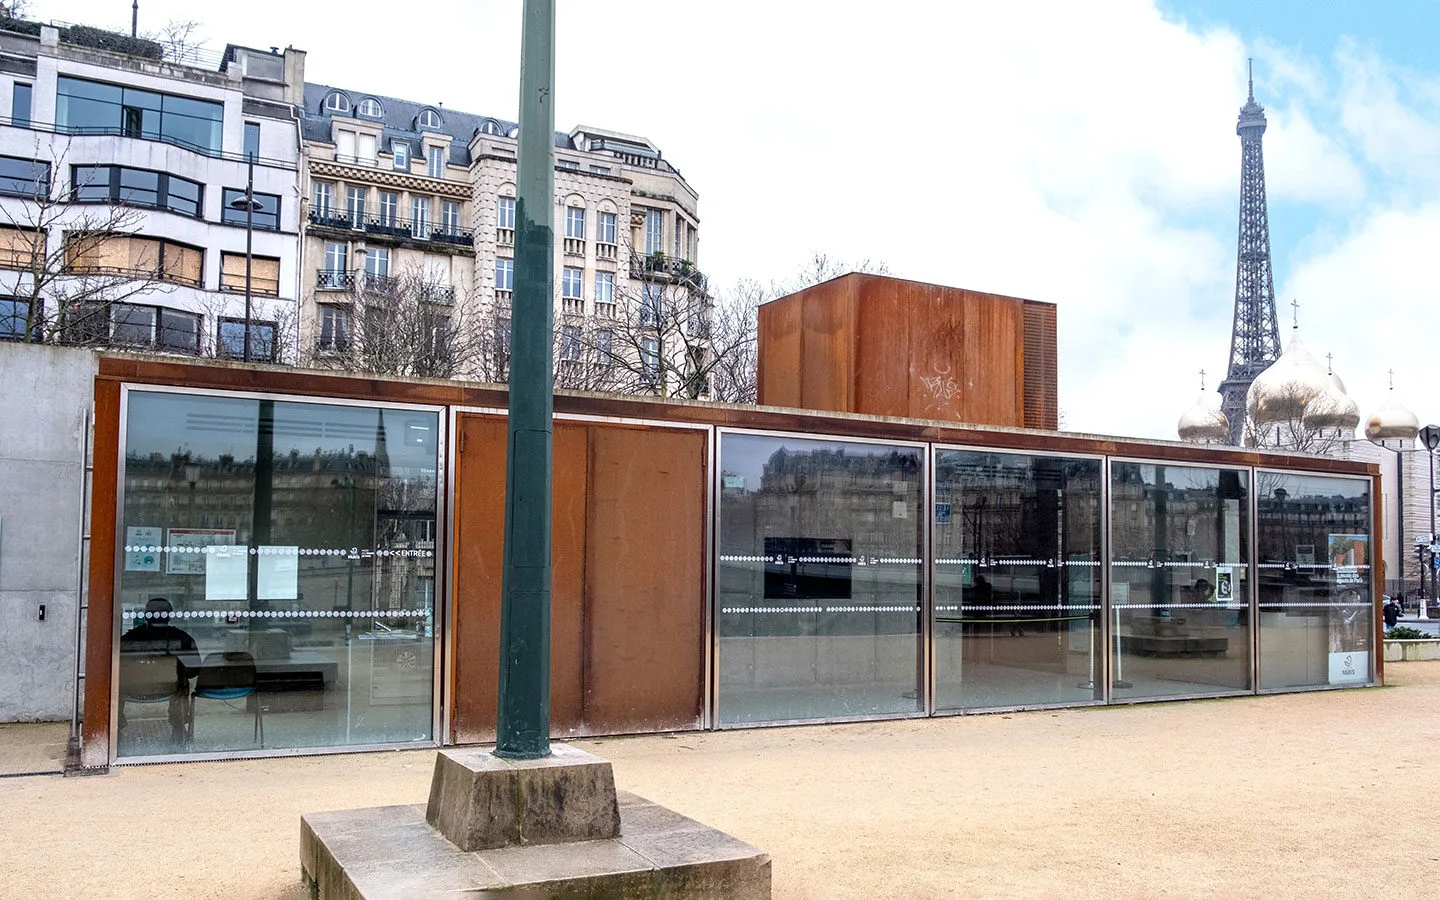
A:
(155, 274)
(574, 246)
(505, 237)
(504, 295)
(437, 293)
(117, 131)
(267, 287)
(334, 280)
(398, 227)
(605, 310)
(668, 267)
(606, 251)
(572, 306)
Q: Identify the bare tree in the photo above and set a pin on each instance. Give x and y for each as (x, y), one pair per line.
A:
(178, 40)
(74, 262)
(1296, 416)
(408, 326)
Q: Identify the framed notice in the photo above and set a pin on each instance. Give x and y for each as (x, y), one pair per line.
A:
(185, 548)
(142, 548)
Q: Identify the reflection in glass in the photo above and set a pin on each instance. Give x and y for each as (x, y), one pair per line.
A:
(277, 584)
(1017, 580)
(1179, 589)
(819, 579)
(1316, 612)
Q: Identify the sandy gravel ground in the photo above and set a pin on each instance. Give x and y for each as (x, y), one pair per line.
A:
(1331, 794)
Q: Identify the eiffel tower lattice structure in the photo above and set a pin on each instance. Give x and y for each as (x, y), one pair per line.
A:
(1254, 337)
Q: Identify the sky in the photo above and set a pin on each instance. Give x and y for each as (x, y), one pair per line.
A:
(1082, 154)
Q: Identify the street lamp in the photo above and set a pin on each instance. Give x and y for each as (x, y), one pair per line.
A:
(249, 204)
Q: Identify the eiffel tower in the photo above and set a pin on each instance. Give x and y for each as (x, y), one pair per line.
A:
(1254, 337)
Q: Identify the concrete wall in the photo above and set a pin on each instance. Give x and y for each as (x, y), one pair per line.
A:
(42, 416)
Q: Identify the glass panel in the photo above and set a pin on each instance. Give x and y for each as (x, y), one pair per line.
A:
(1314, 572)
(24, 177)
(252, 140)
(14, 314)
(274, 593)
(179, 331)
(1179, 580)
(1018, 580)
(132, 324)
(20, 105)
(139, 187)
(820, 579)
(182, 196)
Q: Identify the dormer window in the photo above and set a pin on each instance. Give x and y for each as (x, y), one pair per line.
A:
(370, 108)
(490, 127)
(337, 102)
(428, 118)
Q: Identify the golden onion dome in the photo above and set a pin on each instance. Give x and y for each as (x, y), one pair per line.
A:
(1284, 391)
(1392, 421)
(1204, 422)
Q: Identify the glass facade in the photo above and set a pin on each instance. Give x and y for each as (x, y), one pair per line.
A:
(820, 579)
(93, 107)
(1180, 591)
(1317, 622)
(1017, 580)
(276, 576)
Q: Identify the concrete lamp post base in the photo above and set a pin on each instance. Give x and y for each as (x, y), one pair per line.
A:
(551, 827)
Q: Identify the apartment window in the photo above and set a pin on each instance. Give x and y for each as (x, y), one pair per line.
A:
(568, 164)
(355, 205)
(337, 102)
(438, 332)
(605, 228)
(604, 287)
(504, 274)
(179, 331)
(334, 329)
(377, 262)
(20, 105)
(436, 165)
(345, 145)
(652, 304)
(130, 324)
(428, 118)
(230, 339)
(574, 223)
(264, 274)
(572, 283)
(365, 152)
(401, 151)
(600, 170)
(679, 227)
(654, 231)
(252, 140)
(502, 335)
(570, 343)
(336, 253)
(604, 346)
(21, 248)
(324, 198)
(369, 108)
(91, 107)
(389, 207)
(650, 360)
(266, 215)
(14, 318)
(450, 217)
(86, 253)
(506, 212)
(136, 187)
(154, 326)
(420, 215)
(24, 177)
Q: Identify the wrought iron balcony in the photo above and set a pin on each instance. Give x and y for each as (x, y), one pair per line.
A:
(431, 292)
(658, 266)
(396, 227)
(358, 280)
(334, 280)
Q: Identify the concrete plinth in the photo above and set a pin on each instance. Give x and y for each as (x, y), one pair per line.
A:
(547, 812)
(480, 801)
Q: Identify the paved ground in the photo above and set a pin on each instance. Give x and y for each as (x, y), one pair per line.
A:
(33, 748)
(1328, 794)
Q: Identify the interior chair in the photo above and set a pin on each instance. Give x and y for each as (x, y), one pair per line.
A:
(148, 677)
(228, 676)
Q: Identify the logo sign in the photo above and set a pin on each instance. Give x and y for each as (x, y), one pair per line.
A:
(942, 514)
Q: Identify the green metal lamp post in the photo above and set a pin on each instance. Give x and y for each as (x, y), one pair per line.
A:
(523, 725)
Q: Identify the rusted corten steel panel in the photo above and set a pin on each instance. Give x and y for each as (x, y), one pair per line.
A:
(627, 585)
(645, 575)
(1042, 401)
(885, 346)
(99, 628)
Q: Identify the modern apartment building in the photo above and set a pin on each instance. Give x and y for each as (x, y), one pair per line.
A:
(123, 192)
(413, 206)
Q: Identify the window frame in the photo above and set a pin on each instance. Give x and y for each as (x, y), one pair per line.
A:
(41, 187)
(575, 222)
(232, 216)
(435, 161)
(252, 128)
(114, 189)
(400, 151)
(369, 108)
(335, 321)
(572, 283)
(504, 266)
(606, 227)
(223, 350)
(342, 107)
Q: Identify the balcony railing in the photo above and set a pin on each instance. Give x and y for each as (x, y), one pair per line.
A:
(358, 280)
(504, 295)
(397, 227)
(334, 280)
(505, 237)
(572, 306)
(658, 266)
(574, 246)
(605, 251)
(436, 293)
(605, 309)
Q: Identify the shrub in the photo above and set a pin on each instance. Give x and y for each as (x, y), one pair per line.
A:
(1404, 633)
